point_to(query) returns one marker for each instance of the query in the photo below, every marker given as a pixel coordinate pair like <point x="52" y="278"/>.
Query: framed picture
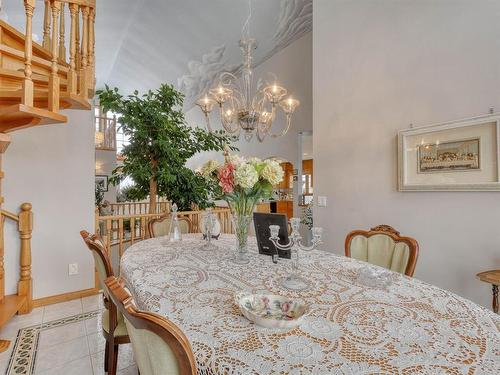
<point x="459" y="155"/>
<point x="261" y="222"/>
<point x="102" y="181"/>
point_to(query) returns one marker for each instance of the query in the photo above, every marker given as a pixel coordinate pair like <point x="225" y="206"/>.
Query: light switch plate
<point x="73" y="269"/>
<point x="321" y="201"/>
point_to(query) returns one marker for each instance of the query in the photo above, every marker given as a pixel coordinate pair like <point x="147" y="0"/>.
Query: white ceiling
<point x="142" y="43"/>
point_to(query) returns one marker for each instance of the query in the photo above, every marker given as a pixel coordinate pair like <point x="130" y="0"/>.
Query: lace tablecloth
<point x="407" y="328"/>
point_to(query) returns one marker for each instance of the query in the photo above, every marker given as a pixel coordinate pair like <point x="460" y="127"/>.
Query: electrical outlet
<point x="73" y="269"/>
<point x="321" y="201"/>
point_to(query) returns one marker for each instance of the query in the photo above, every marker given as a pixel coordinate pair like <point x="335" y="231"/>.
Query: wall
<point x="379" y="66"/>
<point x="53" y="168"/>
<point x="293" y="67"/>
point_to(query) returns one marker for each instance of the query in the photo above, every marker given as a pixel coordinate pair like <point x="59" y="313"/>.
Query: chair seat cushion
<point x="121" y="328"/>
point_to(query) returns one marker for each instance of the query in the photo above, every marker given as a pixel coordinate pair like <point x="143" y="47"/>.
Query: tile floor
<point x="75" y="348"/>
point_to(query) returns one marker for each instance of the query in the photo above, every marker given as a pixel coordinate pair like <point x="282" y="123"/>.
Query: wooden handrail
<point x="10" y="215"/>
<point x="24" y="222"/>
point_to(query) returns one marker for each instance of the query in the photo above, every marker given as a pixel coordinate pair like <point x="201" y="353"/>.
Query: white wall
<point x="53" y="168"/>
<point x="293" y="67"/>
<point x="379" y="66"/>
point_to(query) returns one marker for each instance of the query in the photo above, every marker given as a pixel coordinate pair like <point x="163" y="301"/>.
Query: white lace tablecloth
<point x="408" y="328"/>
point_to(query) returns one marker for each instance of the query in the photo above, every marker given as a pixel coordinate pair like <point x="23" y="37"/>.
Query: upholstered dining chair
<point x="113" y="326"/>
<point x="161" y="226"/>
<point x="385" y="247"/>
<point x="160" y="347"/>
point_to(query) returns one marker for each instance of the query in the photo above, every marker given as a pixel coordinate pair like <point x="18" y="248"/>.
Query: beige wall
<point x="53" y="168"/>
<point x="379" y="66"/>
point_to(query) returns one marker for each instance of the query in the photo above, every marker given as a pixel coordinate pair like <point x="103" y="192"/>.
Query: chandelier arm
<point x="232" y="81"/>
<point x="207" y="118"/>
<point x="284" y="131"/>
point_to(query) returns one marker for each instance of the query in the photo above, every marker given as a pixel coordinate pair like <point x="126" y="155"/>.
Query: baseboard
<point x="65" y="297"/>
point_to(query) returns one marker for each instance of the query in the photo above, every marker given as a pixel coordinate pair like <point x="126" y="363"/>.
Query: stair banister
<point x="27" y="93"/>
<point x="54" y="78"/>
<point x="62" y="42"/>
<point x="72" y="75"/>
<point x="84" y="51"/>
<point x="46" y="25"/>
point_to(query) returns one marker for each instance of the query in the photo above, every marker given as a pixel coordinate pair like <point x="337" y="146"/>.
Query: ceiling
<point x="143" y="43"/>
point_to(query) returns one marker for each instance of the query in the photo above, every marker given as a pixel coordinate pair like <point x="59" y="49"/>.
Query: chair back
<point x="161" y="226"/>
<point x="96" y="246"/>
<point x="160" y="347"/>
<point x="385" y="247"/>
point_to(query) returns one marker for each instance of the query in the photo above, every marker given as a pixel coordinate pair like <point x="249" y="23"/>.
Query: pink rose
<point x="226" y="178"/>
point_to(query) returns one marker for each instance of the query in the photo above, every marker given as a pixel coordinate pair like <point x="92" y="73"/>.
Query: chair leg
<point x="106" y="357"/>
<point x="112" y="358"/>
<point x="115" y="358"/>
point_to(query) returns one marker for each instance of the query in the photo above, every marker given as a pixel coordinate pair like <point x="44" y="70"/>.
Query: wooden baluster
<point x="78" y="60"/>
<point x="143" y="227"/>
<point x="4" y="143"/>
<point x="97" y="230"/>
<point x="91" y="53"/>
<point x="54" y="78"/>
<point x="120" y="236"/>
<point x="25" y="285"/>
<point x="27" y="95"/>
<point x="62" y="30"/>
<point x="84" y="56"/>
<point x="132" y="230"/>
<point x="73" y="42"/>
<point x="108" y="234"/>
<point x="46" y="26"/>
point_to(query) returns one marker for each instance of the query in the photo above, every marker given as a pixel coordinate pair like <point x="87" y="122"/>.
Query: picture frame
<point x="103" y="181"/>
<point x="261" y="223"/>
<point x="461" y="155"/>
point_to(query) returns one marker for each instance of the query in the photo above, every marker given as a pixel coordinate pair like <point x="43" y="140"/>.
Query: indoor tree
<point x="160" y="144"/>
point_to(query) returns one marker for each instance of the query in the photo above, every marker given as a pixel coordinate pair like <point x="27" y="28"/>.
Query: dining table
<point x="354" y="326"/>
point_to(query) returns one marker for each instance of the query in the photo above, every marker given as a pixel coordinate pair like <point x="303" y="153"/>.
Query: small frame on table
<point x="461" y="155"/>
<point x="262" y="221"/>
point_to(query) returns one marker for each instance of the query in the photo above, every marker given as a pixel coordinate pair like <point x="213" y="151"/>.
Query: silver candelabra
<point x="294" y="281"/>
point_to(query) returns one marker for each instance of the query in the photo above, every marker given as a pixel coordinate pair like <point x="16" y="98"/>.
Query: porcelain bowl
<point x="271" y="311"/>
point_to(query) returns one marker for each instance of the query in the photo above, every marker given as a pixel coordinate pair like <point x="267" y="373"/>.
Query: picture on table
<point x="463" y="155"/>
<point x="102" y="182"/>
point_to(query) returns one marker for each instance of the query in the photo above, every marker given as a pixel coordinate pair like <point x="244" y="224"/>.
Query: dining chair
<point x="383" y="246"/>
<point x="160" y="347"/>
<point x="161" y="226"/>
<point x="113" y="326"/>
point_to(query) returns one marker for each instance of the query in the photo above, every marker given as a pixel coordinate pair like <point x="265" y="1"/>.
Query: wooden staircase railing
<point x="36" y="81"/>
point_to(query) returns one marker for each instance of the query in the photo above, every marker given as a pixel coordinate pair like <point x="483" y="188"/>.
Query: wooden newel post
<point x="25" y="287"/>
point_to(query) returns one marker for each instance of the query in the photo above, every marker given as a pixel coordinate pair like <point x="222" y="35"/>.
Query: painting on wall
<point x="458" y="155"/>
<point x="449" y="156"/>
<point x="102" y="182"/>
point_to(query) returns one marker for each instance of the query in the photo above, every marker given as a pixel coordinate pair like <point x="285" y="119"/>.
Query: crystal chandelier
<point x="240" y="108"/>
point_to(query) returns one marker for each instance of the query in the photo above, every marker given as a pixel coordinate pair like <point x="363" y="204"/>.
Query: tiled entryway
<point x="64" y="338"/>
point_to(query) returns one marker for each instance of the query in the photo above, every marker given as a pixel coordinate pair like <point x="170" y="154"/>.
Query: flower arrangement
<point x="241" y="182"/>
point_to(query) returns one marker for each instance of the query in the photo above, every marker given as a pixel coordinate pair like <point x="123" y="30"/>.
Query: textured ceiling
<point x="142" y="43"/>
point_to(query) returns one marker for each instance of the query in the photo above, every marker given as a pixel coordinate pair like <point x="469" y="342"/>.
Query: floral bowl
<point x="271" y="311"/>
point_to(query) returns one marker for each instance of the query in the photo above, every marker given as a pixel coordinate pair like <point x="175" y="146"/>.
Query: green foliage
<point x="160" y="144"/>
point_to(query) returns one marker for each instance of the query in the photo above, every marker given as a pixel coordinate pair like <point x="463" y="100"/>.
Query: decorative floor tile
<point x="25" y="350"/>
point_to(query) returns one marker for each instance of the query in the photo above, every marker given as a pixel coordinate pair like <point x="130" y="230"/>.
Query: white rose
<point x="245" y="176"/>
<point x="235" y="159"/>
<point x="272" y="172"/>
<point x="209" y="167"/>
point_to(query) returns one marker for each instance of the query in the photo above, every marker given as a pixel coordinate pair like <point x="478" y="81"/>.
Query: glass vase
<point x="241" y="224"/>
